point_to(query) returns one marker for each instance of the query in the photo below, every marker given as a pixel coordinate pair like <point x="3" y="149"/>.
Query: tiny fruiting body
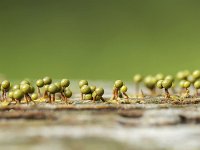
<point x="150" y="83"/>
<point x="137" y="79"/>
<point x="119" y="90"/>
<point x="124" y="89"/>
<point x="5" y="85"/>
<point x="25" y="82"/>
<point x="34" y="96"/>
<point x="39" y="84"/>
<point x="52" y="89"/>
<point x="65" y="83"/>
<point x="196" y="74"/>
<point x="88" y="97"/>
<point x="85" y="89"/>
<point x="26" y="89"/>
<point x="46" y="91"/>
<point x="159" y="84"/>
<point x="99" y="93"/>
<point x="92" y="88"/>
<point x="159" y="76"/>
<point x="47" y="80"/>
<point x="83" y="82"/>
<point x="166" y="84"/>
<point x="118" y="84"/>
<point x="18" y="95"/>
<point x="186" y="85"/>
<point x="197" y="86"/>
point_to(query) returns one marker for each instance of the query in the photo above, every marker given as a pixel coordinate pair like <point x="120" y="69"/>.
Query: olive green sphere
<point x="123" y="89"/>
<point x="5" y="84"/>
<point x="25" y="82"/>
<point x="197" y="84"/>
<point x="18" y="94"/>
<point x="97" y="97"/>
<point x="191" y="79"/>
<point x="10" y="94"/>
<point x="47" y="80"/>
<point x="150" y="82"/>
<point x="94" y="94"/>
<point x="52" y="88"/>
<point x="40" y="83"/>
<point x="83" y="82"/>
<point x="34" y="96"/>
<point x="87" y="97"/>
<point x="159" y="76"/>
<point x="181" y="83"/>
<point x="32" y="89"/>
<point x="166" y="84"/>
<point x="99" y="91"/>
<point x="182" y="75"/>
<point x="58" y="84"/>
<point x="68" y="93"/>
<point x="196" y="74"/>
<point x="92" y="88"/>
<point x="169" y="77"/>
<point x="186" y="84"/>
<point x="186" y="73"/>
<point x="46" y="87"/>
<point x="118" y="84"/>
<point x="85" y="89"/>
<point x="25" y="88"/>
<point x="16" y="87"/>
<point x="137" y="78"/>
<point x="159" y="84"/>
<point x="65" y="82"/>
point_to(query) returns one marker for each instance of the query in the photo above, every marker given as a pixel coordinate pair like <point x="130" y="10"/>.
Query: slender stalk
<point x="102" y="99"/>
<point x="167" y="95"/>
<point x="126" y="96"/>
<point x="62" y="96"/>
<point x="54" y="97"/>
<point x="49" y="98"/>
<point x="187" y="92"/>
<point x="45" y="94"/>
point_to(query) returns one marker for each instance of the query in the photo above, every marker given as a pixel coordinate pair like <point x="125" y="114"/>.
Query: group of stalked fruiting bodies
<point x="26" y="90"/>
<point x="185" y="79"/>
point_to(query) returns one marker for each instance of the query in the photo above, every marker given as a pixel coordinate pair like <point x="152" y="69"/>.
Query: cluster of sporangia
<point x="185" y="79"/>
<point x="26" y="90"/>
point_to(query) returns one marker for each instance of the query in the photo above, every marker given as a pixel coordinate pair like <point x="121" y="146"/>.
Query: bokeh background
<point x="98" y="39"/>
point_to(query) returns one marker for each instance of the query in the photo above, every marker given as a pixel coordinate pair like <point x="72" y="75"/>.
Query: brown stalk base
<point x="102" y="99"/>
<point x="45" y="94"/>
<point x="167" y="95"/>
<point x="54" y="98"/>
<point x="126" y="96"/>
<point x="187" y="93"/>
<point x="49" y="98"/>
<point x="62" y="96"/>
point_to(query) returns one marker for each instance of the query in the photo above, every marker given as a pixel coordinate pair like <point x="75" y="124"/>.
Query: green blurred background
<point x="98" y="39"/>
